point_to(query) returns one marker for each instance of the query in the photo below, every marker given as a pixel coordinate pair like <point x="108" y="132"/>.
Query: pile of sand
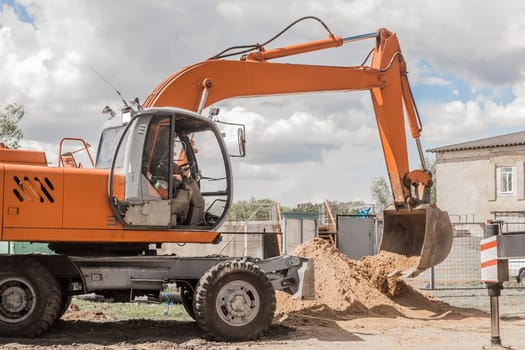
<point x="74" y="313"/>
<point x="344" y="285"/>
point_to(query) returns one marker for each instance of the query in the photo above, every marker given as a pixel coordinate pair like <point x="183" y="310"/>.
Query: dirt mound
<point x="347" y="286"/>
<point x="74" y="313"/>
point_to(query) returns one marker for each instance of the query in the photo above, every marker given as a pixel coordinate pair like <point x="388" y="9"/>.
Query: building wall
<point x="467" y="183"/>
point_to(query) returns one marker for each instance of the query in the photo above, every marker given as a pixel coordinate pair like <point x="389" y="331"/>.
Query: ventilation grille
<point x="33" y="189"/>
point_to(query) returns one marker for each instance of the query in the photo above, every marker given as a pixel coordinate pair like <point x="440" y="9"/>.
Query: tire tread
<point x="207" y="283"/>
<point x="45" y="285"/>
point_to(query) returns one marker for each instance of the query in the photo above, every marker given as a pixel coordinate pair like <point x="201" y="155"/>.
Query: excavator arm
<point x="213" y="80"/>
<point x="413" y="226"/>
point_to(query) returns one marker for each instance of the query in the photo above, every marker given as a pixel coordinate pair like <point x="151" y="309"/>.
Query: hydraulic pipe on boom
<point x="413" y="226"/>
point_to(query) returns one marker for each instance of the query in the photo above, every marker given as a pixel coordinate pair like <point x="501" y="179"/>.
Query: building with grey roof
<point x="483" y="179"/>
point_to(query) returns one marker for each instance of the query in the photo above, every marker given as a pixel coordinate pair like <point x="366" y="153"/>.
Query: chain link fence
<point x="461" y="269"/>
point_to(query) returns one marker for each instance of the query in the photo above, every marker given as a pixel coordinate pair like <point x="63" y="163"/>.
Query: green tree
<point x="337" y="207"/>
<point x="253" y="209"/>
<point x="10" y="132"/>
<point x="381" y="192"/>
<point x="312" y="208"/>
<point x="345" y="208"/>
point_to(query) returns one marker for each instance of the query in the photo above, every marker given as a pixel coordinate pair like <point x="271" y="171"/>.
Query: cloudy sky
<point x="466" y="62"/>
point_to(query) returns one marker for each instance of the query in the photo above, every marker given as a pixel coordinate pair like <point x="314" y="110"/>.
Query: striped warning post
<point x="492" y="268"/>
<point x="489" y="259"/>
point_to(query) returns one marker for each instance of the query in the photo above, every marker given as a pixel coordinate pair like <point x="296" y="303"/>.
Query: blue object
<point x="363" y="213"/>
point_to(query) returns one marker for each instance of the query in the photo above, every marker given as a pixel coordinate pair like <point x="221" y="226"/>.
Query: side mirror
<point x="241" y="139"/>
<point x="228" y="133"/>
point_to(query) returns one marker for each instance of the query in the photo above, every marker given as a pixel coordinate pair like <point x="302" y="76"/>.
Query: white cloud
<point x="437" y="81"/>
<point x="29" y="75"/>
<point x="294" y="140"/>
<point x="456" y="119"/>
<point x="230" y="9"/>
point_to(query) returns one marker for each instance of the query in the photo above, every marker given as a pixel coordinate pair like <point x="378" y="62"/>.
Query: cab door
<point x="171" y="169"/>
<point x="140" y="178"/>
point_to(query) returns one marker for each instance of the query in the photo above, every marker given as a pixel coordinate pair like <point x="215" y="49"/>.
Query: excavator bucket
<point x="423" y="235"/>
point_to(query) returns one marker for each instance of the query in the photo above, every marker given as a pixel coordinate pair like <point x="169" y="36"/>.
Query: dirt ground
<point x="356" y="307"/>
<point x="454" y="330"/>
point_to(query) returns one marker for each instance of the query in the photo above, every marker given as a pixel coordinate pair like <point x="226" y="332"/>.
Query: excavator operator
<point x="188" y="202"/>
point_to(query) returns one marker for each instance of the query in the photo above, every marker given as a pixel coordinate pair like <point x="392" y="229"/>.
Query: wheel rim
<point x="238" y="303"/>
<point x="17" y="300"/>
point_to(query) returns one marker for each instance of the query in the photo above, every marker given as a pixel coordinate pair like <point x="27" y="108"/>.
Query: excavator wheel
<point x="30" y="298"/>
<point x="234" y="301"/>
<point x="64" y="304"/>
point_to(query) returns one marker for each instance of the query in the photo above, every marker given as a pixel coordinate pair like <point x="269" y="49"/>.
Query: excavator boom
<point x="408" y="229"/>
<point x="207" y="82"/>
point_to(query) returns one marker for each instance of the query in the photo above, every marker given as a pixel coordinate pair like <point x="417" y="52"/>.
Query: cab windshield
<point x="107" y="146"/>
<point x="170" y="170"/>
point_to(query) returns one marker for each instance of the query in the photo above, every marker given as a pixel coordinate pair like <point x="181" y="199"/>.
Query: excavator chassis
<point x="230" y="298"/>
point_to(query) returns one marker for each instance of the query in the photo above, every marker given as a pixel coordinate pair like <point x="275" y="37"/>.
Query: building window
<point x="506" y="177"/>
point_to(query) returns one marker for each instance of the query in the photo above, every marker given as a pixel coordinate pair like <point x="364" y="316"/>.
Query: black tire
<point x="30" y="298"/>
<point x="64" y="304"/>
<point x="234" y="301"/>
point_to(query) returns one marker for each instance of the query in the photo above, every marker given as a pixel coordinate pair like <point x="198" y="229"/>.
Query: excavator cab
<point x="158" y="179"/>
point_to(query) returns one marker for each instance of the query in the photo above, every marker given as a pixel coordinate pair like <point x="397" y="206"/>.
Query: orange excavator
<point x="103" y="221"/>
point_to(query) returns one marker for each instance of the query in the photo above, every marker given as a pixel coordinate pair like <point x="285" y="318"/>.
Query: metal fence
<point x="461" y="269"/>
